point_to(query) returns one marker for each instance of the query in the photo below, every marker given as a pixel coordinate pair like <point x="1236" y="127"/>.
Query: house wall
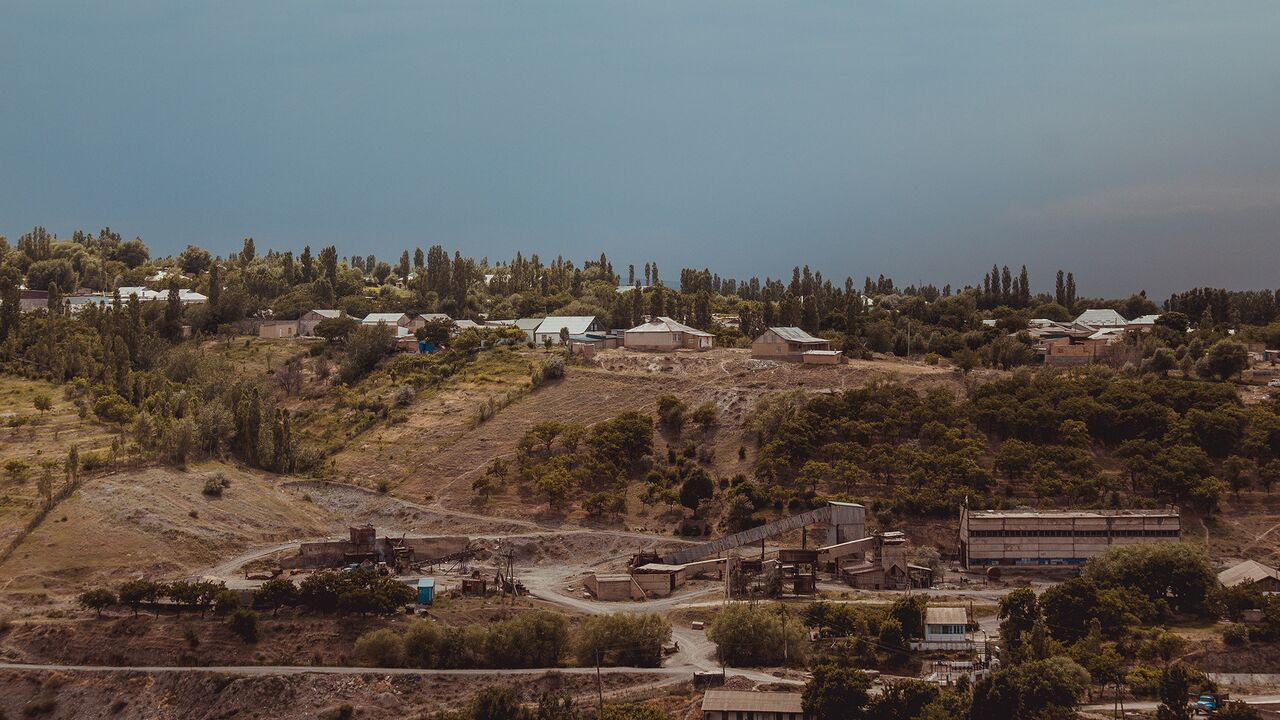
<point x="278" y="330"/>
<point x="308" y="322"/>
<point x="822" y="359"/>
<point x="770" y="346"/>
<point x="653" y="340"/>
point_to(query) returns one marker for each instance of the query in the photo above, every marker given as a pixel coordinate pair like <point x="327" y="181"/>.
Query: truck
<point x="1210" y="703"/>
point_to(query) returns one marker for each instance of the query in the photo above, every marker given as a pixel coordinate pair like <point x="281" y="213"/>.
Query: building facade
<point x="665" y="334"/>
<point x="786" y="343"/>
<point x="751" y="705"/>
<point x="1069" y="537"/>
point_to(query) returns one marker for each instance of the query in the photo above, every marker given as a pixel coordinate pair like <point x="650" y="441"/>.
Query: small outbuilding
<point x="613" y="587"/>
<point x="275" y="329"/>
<point x="943" y="625"/>
<point x="1251" y="572"/>
<point x="426" y="590"/>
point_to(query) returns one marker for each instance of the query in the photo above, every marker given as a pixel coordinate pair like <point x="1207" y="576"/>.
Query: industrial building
<point x="1058" y="537"/>
<point x="751" y="705"/>
<point x="364" y="546"/>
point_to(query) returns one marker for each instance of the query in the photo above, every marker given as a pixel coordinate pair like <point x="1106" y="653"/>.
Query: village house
<point x="185" y="296"/>
<point x="1098" y="318"/>
<point x="665" y="334"/>
<point x="311" y="318"/>
<point x="529" y="326"/>
<point x="276" y="329"/>
<point x="416" y="322"/>
<point x="786" y="343"/>
<point x="549" y="328"/>
<point x="1251" y="572"/>
<point x="392" y="319"/>
<point x="752" y="705"/>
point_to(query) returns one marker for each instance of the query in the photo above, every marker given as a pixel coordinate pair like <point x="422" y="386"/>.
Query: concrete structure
<point x="786" y="343"/>
<point x="364" y="545"/>
<point x="613" y="587"/>
<point x="550" y="327"/>
<point x="751" y="705"/>
<point x="1251" y="572"/>
<point x="823" y="357"/>
<point x="877" y="563"/>
<point x="665" y="334"/>
<point x="311" y="318"/>
<point x="276" y="329"/>
<point x="1070" y="537"/>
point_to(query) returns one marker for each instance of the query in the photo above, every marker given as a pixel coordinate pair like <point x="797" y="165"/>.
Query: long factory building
<point x="1068" y="537"/>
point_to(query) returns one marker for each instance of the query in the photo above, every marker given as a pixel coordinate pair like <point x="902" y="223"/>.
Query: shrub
<point x="213" y="486"/>
<point x="1235" y="634"/>
<point x="380" y="648"/>
<point x="244" y="623"/>
<point x="671" y="412"/>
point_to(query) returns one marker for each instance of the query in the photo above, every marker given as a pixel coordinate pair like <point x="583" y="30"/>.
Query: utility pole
<point x="786" y="659"/>
<point x="599" y="688"/>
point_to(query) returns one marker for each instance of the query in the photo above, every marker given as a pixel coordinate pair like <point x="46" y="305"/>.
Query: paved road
<point x="1152" y="705"/>
<point x="331" y="670"/>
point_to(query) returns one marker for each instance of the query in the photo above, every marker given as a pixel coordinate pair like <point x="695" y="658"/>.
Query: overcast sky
<point x="1135" y="143"/>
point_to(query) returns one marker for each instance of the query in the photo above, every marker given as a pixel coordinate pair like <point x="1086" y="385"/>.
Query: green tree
<point x="97" y="599"/>
<point x="696" y="488"/>
<point x="1177" y="682"/>
<point x="276" y="593"/>
<point x="42" y="402"/>
<point x="836" y="693"/>
<point x="1224" y="360"/>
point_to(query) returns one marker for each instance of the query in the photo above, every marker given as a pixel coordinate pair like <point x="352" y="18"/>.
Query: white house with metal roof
<point x="549" y="328"/>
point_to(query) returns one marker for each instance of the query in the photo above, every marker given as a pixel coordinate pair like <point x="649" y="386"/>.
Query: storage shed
<point x="426" y="590"/>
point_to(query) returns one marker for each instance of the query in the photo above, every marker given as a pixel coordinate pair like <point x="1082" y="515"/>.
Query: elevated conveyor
<point x="848" y="519"/>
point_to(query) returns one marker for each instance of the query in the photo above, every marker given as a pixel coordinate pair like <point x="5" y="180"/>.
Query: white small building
<point x="549" y="328"/>
<point x="945" y="628"/>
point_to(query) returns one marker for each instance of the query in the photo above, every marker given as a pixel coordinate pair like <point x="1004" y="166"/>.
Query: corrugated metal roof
<point x="430" y="317"/>
<point x="946" y="616"/>
<point x="795" y="334"/>
<point x="528" y="324"/>
<point x="1247" y="571"/>
<point x="1025" y="512"/>
<point x="1101" y="317"/>
<point x="666" y="324"/>
<point x="328" y="313"/>
<point x="577" y="324"/>
<point x="388" y="318"/>
<point x="749" y="701"/>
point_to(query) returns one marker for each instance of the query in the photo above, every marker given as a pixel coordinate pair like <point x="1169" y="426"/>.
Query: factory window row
<point x="1170" y="533"/>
